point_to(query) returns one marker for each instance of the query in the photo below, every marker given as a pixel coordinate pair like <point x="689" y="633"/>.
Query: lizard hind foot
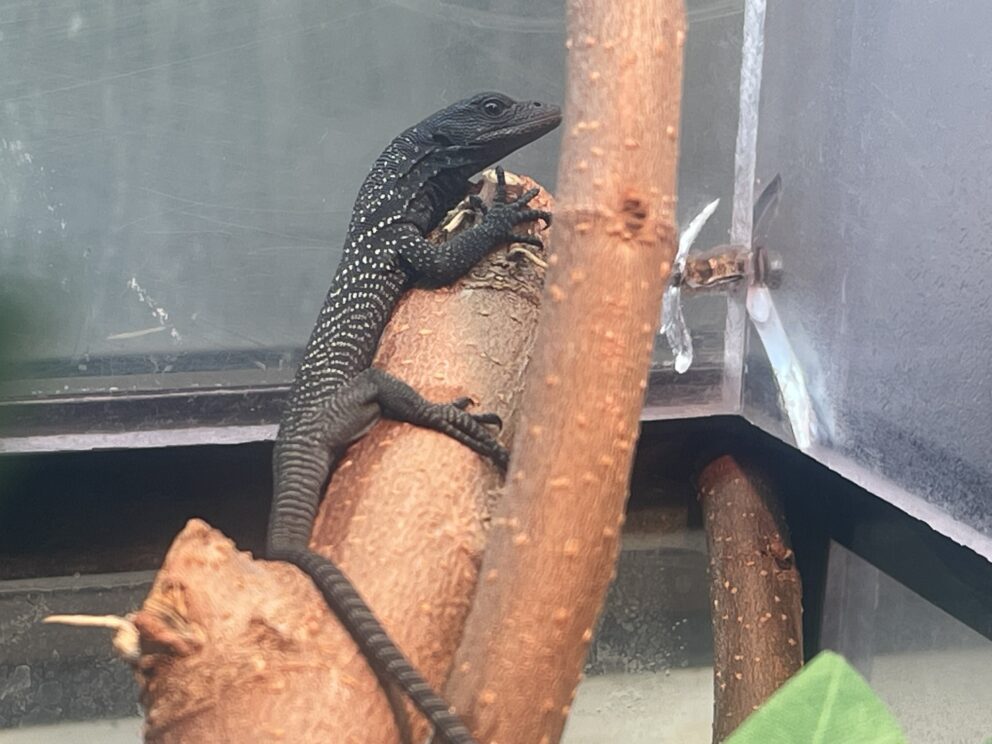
<point x="401" y="402"/>
<point x="468" y="428"/>
<point x="489" y="419"/>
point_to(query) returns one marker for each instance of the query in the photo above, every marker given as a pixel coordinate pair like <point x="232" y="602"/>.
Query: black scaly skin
<point x="338" y="396"/>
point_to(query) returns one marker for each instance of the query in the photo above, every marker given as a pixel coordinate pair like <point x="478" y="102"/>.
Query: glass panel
<point x="176" y="180"/>
<point x="933" y="672"/>
<point x="120" y="731"/>
<point x="649" y="674"/>
<point x="877" y="117"/>
<point x="51" y="673"/>
<point x="710" y="93"/>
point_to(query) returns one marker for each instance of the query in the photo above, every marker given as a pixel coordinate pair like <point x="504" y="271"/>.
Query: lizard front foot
<point x="500" y="219"/>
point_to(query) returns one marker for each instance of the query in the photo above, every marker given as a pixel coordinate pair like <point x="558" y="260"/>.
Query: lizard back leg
<point x="304" y="454"/>
<point x="303" y="459"/>
<point x="401" y="402"/>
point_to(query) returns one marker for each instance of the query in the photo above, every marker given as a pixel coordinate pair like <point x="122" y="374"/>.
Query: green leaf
<point x="827" y="702"/>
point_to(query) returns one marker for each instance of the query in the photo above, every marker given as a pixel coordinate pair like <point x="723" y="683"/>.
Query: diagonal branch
<point x="235" y="649"/>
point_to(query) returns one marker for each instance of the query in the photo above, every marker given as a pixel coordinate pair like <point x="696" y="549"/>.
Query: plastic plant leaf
<point x="827" y="702"/>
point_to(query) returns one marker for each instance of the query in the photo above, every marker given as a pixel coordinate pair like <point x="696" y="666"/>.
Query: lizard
<point x="337" y="395"/>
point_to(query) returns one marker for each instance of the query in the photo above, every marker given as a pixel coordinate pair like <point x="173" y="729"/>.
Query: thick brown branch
<point x="555" y="538"/>
<point x="242" y="650"/>
<point x="755" y="591"/>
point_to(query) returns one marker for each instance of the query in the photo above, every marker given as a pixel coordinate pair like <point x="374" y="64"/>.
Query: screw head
<point x="769" y="268"/>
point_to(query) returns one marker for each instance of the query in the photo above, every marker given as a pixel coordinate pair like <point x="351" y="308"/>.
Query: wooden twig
<point x="125" y="640"/>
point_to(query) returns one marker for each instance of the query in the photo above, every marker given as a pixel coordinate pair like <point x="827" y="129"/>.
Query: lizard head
<point x="476" y="132"/>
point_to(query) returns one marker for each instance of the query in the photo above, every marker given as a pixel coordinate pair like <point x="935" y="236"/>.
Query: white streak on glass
<point x="672" y="320"/>
<point x="785" y="365"/>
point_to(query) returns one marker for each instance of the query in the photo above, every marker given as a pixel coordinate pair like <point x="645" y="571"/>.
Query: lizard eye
<point x="493" y="106"/>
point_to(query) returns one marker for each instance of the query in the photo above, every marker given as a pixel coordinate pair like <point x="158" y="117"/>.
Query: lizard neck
<point x="413" y="183"/>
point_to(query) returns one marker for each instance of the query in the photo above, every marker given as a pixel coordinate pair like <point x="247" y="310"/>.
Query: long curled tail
<point x="375" y="644"/>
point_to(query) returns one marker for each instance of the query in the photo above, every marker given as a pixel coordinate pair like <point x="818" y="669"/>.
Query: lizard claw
<point x="486" y="419"/>
<point x="469" y="429"/>
<point x="501" y="185"/>
<point x="528" y="240"/>
<point x="489" y="419"/>
<point x="504" y="215"/>
<point x="521" y="201"/>
<point x="475" y="202"/>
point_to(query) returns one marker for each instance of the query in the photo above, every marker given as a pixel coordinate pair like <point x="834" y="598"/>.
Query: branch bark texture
<point x="553" y="547"/>
<point x="755" y="591"/>
<point x="236" y="649"/>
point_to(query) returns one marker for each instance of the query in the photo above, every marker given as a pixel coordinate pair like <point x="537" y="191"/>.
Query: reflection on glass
<point x="649" y="676"/>
<point x="175" y="180"/>
<point x="877" y="122"/>
<point x="933" y="672"/>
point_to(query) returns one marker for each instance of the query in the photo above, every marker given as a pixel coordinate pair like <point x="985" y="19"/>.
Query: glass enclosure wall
<point x="177" y="179"/>
<point x="175" y="185"/>
<point x="649" y="674"/>
<point x="877" y="116"/>
<point x="932" y="671"/>
<point x="175" y="182"/>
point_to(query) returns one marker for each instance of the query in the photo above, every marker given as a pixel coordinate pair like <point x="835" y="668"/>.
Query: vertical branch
<point x="755" y="591"/>
<point x="554" y="541"/>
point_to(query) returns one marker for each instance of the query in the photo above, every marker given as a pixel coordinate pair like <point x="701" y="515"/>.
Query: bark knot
<point x="634" y="211"/>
